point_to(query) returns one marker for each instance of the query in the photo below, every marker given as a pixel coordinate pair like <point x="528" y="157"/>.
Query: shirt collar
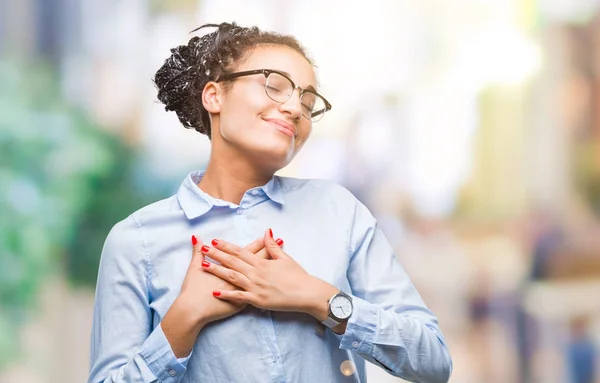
<point x="273" y="190"/>
<point x="195" y="202"/>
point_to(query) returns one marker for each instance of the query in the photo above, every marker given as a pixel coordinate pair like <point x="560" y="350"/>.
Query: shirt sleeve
<point x="124" y="347"/>
<point x="390" y="325"/>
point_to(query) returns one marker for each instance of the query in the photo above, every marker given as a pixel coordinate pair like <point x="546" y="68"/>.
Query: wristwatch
<point x="340" y="309"/>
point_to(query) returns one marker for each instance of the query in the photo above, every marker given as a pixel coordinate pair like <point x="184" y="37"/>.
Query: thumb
<point x="274" y="247"/>
<point x="256" y="245"/>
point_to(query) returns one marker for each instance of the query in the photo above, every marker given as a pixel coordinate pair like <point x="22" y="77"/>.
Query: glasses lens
<point x="313" y="106"/>
<point x="278" y="87"/>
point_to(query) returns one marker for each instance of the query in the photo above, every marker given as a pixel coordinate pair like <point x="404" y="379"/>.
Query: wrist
<point x="318" y="304"/>
<point x="181" y="328"/>
<point x="189" y="315"/>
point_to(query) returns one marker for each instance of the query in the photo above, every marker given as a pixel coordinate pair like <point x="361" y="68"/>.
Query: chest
<point x="318" y="245"/>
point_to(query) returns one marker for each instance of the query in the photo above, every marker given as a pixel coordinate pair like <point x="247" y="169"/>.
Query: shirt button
<point x="172" y="372"/>
<point x="240" y="211"/>
<point x="274" y="359"/>
<point x="355" y="344"/>
<point x="254" y="192"/>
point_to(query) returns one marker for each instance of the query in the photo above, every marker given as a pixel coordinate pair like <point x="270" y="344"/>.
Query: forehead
<point x="282" y="58"/>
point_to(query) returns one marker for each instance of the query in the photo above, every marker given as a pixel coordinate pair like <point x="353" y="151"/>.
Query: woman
<point x="244" y="307"/>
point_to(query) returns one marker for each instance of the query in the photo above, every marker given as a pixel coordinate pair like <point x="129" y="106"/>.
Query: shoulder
<point x="123" y="238"/>
<point x="127" y="234"/>
<point x="317" y="186"/>
<point x="165" y="205"/>
<point x="323" y="194"/>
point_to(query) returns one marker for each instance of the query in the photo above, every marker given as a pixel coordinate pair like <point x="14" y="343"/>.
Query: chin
<point x="277" y="160"/>
<point x="274" y="159"/>
<point x="278" y="146"/>
<point x="270" y="151"/>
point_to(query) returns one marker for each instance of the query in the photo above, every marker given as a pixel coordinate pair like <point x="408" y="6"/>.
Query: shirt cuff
<point x="361" y="327"/>
<point x="158" y="355"/>
<point x="184" y="361"/>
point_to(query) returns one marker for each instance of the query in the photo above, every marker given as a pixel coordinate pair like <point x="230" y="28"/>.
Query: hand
<point x="197" y="286"/>
<point x="279" y="283"/>
<point x="194" y="307"/>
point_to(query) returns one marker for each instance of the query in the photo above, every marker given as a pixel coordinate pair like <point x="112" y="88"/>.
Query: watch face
<point x="341" y="307"/>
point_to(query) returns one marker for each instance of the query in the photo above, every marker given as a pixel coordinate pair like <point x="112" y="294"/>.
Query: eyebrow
<point x="309" y="87"/>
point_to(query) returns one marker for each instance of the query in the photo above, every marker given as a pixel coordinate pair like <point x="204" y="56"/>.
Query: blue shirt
<point x="325" y="229"/>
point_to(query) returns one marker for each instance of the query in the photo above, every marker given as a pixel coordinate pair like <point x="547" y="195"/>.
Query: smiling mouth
<point x="283" y="127"/>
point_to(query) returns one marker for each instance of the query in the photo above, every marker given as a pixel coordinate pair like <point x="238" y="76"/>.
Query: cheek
<point x="255" y="102"/>
<point x="242" y="103"/>
<point x="306" y="130"/>
<point x="236" y="118"/>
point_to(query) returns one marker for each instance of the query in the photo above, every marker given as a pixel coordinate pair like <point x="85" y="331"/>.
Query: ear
<point x="211" y="97"/>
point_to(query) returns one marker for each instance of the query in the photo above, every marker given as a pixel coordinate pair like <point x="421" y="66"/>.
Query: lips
<point x="283" y="125"/>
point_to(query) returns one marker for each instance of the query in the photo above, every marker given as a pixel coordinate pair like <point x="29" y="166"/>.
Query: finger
<point x="234" y="250"/>
<point x="227" y="260"/>
<point x="263" y="253"/>
<point x="235" y="278"/>
<point x="234" y="296"/>
<point x="197" y="256"/>
<point x="274" y="247"/>
<point x="256" y="246"/>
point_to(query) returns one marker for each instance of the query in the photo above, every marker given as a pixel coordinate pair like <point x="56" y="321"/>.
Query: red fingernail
<point x="194" y="240"/>
<point x="205" y="249"/>
<point x="216" y="293"/>
<point x="271" y="233"/>
<point x="279" y="241"/>
<point x="214" y="242"/>
<point x="205" y="264"/>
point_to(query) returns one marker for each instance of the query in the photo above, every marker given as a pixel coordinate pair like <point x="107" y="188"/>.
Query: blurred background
<point x="470" y="128"/>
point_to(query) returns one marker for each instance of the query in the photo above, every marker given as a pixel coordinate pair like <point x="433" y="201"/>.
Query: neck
<point x="228" y="179"/>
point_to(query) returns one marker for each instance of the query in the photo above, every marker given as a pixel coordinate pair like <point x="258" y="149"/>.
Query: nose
<point x="293" y="107"/>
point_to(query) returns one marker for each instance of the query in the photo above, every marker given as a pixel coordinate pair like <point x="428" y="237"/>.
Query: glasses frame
<point x="266" y="73"/>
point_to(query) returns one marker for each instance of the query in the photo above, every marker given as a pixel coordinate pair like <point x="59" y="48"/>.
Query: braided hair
<point x="181" y="79"/>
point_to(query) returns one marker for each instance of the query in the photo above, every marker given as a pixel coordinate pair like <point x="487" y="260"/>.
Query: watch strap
<point x="330" y="322"/>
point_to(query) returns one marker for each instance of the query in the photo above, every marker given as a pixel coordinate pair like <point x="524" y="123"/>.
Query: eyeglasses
<point x="279" y="88"/>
